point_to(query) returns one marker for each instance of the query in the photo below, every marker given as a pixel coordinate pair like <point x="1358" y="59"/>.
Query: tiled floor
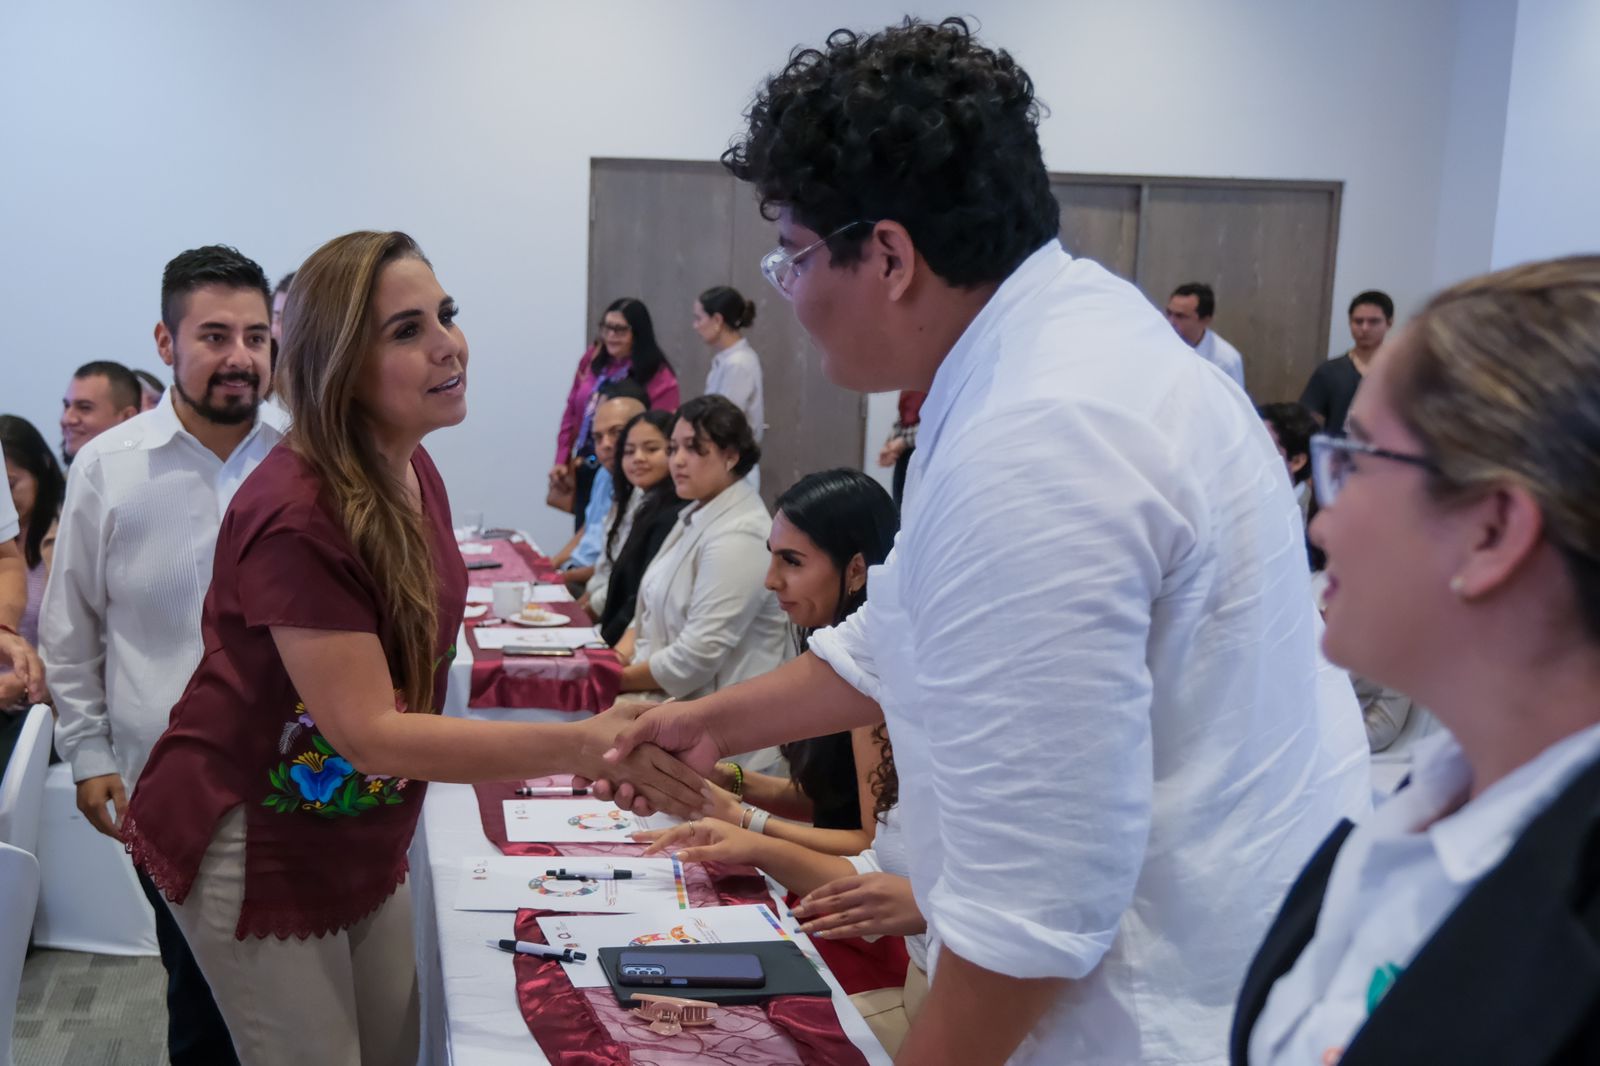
<point x="90" y="1010"/>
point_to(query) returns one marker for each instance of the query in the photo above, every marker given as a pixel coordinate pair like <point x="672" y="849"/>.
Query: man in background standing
<point x="1333" y="384"/>
<point x="120" y="627"/>
<point x="1190" y="309"/>
<point x="100" y="395"/>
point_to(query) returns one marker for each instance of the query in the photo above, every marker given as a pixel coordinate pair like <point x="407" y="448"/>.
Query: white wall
<point x="1548" y="205"/>
<point x="134" y="131"/>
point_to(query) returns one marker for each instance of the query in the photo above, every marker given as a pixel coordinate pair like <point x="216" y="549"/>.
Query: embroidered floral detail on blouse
<point x="322" y="782"/>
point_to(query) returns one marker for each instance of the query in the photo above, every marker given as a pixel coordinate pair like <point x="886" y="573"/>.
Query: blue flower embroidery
<point x="316" y="776"/>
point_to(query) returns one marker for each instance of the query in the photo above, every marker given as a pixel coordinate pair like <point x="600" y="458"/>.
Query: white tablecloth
<point x="469" y="991"/>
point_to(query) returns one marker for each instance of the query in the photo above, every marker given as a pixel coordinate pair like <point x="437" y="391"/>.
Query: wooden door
<point x="666" y="231"/>
<point x="1267" y="251"/>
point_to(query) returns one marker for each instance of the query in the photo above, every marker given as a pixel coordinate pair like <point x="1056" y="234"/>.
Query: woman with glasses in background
<point x="1460" y="922"/>
<point x="625" y="347"/>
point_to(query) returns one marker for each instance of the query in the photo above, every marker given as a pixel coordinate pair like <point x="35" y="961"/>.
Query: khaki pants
<point x="336" y="1000"/>
<point x="889" y="1012"/>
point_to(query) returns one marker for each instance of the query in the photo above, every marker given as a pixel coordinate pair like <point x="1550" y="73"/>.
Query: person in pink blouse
<point x="626" y="347"/>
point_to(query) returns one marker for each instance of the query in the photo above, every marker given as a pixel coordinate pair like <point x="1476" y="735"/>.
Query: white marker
<point x="565" y="874"/>
<point x="541" y="951"/>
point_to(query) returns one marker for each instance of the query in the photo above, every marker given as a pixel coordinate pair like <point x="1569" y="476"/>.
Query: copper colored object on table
<point x="669" y="1015"/>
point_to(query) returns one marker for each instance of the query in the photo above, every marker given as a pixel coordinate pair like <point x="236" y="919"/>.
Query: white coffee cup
<point x="509" y="597"/>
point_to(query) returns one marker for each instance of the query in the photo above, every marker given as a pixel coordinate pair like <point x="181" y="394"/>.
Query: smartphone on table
<point x="683" y="969"/>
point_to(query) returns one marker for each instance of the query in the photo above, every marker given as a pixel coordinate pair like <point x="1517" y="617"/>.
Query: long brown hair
<point x="327" y="335"/>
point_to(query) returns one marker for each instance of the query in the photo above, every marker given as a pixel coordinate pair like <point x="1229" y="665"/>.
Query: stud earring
<point x="1458" y="585"/>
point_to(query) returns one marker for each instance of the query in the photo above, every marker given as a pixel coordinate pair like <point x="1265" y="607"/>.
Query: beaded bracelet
<point x="738" y="777"/>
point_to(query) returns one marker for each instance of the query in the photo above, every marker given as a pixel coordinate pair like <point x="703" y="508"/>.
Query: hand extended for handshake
<point x="665" y="734"/>
<point x="659" y="777"/>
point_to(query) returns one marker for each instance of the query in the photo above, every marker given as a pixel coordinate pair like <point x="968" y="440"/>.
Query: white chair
<point x="19" y="892"/>
<point x="22" y="790"/>
<point x="89" y="899"/>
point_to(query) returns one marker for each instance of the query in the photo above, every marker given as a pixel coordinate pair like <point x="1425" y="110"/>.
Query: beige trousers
<point x="889" y="1012"/>
<point x="336" y="1000"/>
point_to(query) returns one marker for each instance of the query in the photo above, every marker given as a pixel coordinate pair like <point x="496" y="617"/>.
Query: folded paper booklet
<point x="511" y="882"/>
<point x="651" y="929"/>
<point x="576" y="821"/>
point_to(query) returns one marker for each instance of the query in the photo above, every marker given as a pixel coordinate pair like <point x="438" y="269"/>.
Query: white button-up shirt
<point x="1395" y="880"/>
<point x="1222" y="355"/>
<point x="119" y="631"/>
<point x="1094" y="645"/>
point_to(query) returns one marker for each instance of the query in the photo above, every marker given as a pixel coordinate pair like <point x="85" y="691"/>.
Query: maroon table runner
<point x="588" y="681"/>
<point x="588" y="1027"/>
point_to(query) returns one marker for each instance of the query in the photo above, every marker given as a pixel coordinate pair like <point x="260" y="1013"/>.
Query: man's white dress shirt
<point x="119" y="631"/>
<point x="1222" y="355"/>
<point x="1395" y="880"/>
<point x="1094" y="645"/>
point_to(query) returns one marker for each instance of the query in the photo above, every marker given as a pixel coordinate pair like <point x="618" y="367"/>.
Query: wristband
<point x="758" y="820"/>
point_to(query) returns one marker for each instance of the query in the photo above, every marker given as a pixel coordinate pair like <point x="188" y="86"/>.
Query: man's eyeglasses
<point x="1333" y="458"/>
<point x="780" y="266"/>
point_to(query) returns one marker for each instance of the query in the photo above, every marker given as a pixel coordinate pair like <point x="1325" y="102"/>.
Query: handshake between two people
<point x="659" y="758"/>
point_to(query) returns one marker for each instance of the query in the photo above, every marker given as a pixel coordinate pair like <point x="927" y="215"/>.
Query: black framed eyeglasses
<point x="1333" y="459"/>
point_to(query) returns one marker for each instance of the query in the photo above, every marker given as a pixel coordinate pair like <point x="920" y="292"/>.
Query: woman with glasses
<point x="626" y="347"/>
<point x="1461" y="921"/>
<point x="704" y="620"/>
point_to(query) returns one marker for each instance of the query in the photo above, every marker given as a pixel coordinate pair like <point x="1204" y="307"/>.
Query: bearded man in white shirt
<point x="120" y="626"/>
<point x="1115" y="754"/>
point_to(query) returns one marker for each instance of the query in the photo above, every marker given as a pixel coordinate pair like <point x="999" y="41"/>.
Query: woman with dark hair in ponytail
<point x="721" y="316"/>
<point x="626" y="347"/>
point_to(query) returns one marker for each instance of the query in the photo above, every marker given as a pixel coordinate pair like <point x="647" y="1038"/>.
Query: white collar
<point x="1471" y="841"/>
<point x="1048" y="260"/>
<point x="718" y="505"/>
<point x="163" y="423"/>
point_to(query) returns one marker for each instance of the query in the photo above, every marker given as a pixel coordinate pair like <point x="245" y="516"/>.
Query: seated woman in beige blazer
<point x="704" y="618"/>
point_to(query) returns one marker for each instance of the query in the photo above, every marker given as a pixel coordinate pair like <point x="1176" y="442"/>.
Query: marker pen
<point x="542" y="951"/>
<point x="565" y="874"/>
<point x="552" y="790"/>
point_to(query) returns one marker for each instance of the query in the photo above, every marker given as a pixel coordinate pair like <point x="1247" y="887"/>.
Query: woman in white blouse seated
<point x="704" y="619"/>
<point x="1460" y="922"/>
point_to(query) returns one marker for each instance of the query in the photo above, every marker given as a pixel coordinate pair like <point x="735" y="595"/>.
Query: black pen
<point x="565" y="874"/>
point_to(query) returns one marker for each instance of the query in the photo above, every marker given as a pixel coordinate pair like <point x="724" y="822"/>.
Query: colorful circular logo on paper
<point x="675" y="935"/>
<point x="550" y="886"/>
<point x="602" y="821"/>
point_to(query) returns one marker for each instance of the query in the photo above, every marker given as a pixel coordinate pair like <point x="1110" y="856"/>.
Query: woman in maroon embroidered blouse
<point x="276" y="810"/>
